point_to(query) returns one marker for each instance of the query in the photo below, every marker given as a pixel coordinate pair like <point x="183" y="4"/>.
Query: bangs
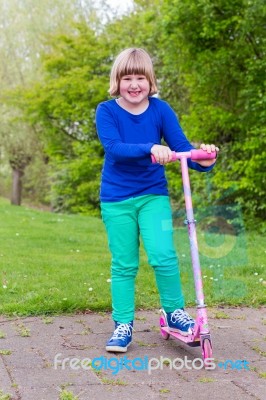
<point x="135" y="64"/>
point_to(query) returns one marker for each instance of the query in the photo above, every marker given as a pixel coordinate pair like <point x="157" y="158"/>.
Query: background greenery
<point x="209" y="57"/>
<point x="55" y="60"/>
<point x="53" y="263"/>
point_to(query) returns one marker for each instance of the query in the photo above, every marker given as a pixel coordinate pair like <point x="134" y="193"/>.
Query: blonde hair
<point x="132" y="61"/>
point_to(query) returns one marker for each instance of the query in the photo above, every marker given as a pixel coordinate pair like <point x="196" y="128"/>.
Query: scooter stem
<point x="191" y="224"/>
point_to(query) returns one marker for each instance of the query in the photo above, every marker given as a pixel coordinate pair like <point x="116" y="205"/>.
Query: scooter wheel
<point x="165" y="335"/>
<point x="206" y="351"/>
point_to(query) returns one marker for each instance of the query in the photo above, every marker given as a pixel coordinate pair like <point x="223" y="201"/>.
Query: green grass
<point x="4" y="396"/>
<point x="66" y="395"/>
<point x="53" y="263"/>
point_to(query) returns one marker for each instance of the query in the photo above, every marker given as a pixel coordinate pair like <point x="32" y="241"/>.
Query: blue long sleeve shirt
<point x="127" y="140"/>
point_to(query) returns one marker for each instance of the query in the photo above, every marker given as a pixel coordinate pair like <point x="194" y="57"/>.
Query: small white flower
<point x="211" y="266"/>
<point x="255" y="273"/>
<point x="211" y="278"/>
<point x="4" y="287"/>
<point x="17" y="234"/>
<point x="90" y="289"/>
<point x="261" y="279"/>
<point x="108" y="280"/>
<point x="216" y="279"/>
<point x="205" y="276"/>
<point x="77" y="251"/>
<point x="183" y="255"/>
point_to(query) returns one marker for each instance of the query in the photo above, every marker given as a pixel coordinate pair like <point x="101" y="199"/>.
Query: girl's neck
<point x="135" y="109"/>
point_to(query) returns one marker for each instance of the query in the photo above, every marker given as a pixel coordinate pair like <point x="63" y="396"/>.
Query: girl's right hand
<point x="162" y="154"/>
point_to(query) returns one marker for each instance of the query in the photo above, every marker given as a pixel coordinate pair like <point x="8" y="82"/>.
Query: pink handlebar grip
<point x="153" y="159"/>
<point x="196" y="154"/>
<point x="202" y="155"/>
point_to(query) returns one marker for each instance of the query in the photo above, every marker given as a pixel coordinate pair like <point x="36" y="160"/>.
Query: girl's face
<point x="134" y="89"/>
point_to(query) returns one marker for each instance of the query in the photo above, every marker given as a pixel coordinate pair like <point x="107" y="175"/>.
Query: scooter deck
<point x="190" y="339"/>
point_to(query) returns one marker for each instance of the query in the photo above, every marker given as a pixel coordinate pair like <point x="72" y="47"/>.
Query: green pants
<point x="151" y="217"/>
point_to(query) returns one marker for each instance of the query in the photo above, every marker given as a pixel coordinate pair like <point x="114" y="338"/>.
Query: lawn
<point x="53" y="263"/>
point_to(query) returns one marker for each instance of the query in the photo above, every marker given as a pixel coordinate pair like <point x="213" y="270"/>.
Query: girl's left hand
<point x="209" y="148"/>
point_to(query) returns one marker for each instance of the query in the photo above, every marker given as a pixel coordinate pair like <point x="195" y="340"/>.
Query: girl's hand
<point x="162" y="154"/>
<point x="209" y="148"/>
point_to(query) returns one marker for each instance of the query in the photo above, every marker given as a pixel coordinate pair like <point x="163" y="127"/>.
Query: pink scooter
<point x="201" y="334"/>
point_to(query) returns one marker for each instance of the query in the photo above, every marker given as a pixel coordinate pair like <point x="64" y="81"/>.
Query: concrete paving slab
<point x="39" y="356"/>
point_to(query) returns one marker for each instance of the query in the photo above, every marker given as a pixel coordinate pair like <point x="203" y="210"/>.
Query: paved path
<point x="34" y="365"/>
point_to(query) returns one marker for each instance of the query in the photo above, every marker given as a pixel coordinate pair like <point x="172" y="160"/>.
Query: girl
<point x="134" y="196"/>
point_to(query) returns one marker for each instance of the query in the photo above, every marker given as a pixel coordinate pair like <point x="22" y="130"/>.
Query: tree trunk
<point x="17" y="175"/>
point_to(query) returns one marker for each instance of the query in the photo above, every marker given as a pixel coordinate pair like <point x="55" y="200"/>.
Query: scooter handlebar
<point x="200" y="154"/>
<point x="195" y="154"/>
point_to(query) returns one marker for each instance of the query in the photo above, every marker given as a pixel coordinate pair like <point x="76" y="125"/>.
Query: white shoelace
<point x="122" y="330"/>
<point x="182" y="317"/>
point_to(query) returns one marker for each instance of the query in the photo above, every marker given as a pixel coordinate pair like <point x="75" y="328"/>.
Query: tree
<point x="21" y="147"/>
<point x="62" y="109"/>
<point x="218" y="63"/>
<point x="23" y="25"/>
<point x="60" y="99"/>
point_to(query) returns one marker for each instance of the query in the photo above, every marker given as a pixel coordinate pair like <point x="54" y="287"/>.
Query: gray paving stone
<point x="33" y="372"/>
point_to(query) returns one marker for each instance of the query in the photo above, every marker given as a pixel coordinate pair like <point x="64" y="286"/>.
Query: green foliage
<point x="75" y="81"/>
<point x="62" y="109"/>
<point x="36" y="182"/>
<point x="23" y="27"/>
<point x="76" y="180"/>
<point x="219" y="65"/>
<point x="19" y="148"/>
<point x="209" y="58"/>
<point x="143" y="22"/>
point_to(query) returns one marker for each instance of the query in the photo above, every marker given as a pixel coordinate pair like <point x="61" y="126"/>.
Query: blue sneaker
<point x="121" y="339"/>
<point x="180" y="321"/>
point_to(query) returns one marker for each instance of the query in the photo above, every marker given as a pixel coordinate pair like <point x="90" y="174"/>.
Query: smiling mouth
<point x="134" y="93"/>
